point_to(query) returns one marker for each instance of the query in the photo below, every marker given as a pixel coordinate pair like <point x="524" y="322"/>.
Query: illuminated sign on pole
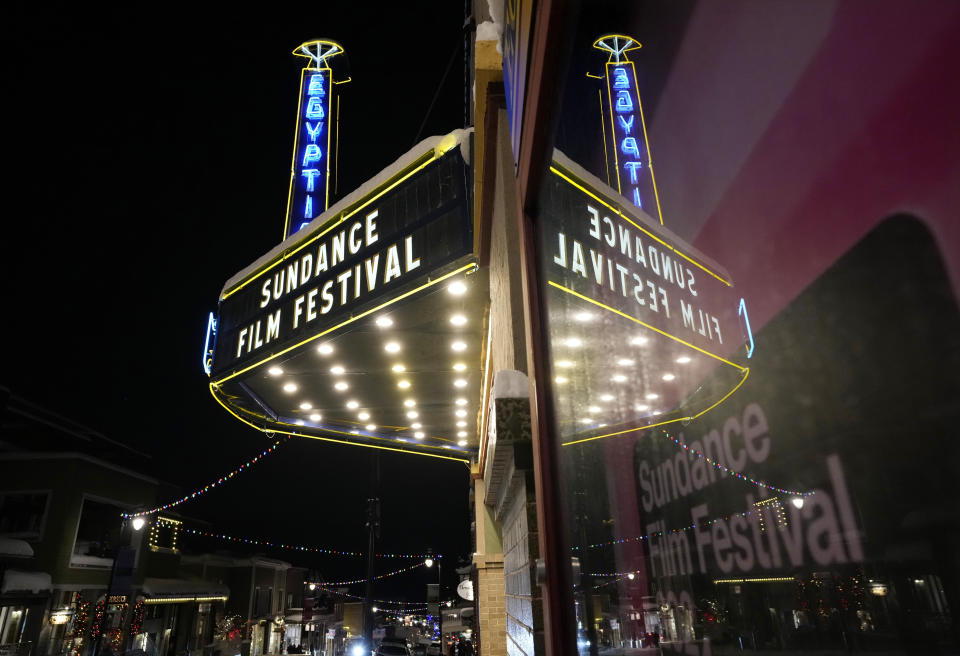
<point x="628" y="151"/>
<point x="310" y="170"/>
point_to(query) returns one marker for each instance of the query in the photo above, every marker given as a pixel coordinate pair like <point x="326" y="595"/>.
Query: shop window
<point x="98" y="534"/>
<point x="22" y="513"/>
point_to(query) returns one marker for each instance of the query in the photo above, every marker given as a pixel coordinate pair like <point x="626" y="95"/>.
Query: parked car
<point x="392" y="649"/>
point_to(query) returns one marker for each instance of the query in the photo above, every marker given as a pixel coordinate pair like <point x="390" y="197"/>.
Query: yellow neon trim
<point x="326" y="192"/>
<point x="646" y="141"/>
<point x="626" y="218"/>
<point x="746" y="372"/>
<point x="771" y="579"/>
<point x="393" y="300"/>
<point x="297" y="430"/>
<point x="613" y="132"/>
<point x="596" y="44"/>
<point x="642" y="323"/>
<point x="603" y="129"/>
<point x="330" y="439"/>
<point x="336" y="143"/>
<point x="431" y="155"/>
<point x="595" y="77"/>
<point x="485" y="396"/>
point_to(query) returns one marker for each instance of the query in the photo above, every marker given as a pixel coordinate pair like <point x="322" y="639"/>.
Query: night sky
<point x="147" y="161"/>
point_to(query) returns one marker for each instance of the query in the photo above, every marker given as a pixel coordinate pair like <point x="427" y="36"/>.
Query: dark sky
<point x="147" y="160"/>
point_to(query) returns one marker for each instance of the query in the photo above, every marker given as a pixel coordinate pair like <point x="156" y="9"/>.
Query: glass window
<point x="755" y="352"/>
<point x="22" y="513"/>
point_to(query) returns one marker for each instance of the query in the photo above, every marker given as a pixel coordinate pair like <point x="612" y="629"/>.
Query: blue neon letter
<point x="620" y="80"/>
<point x="308" y="208"/>
<point x="636" y="198"/>
<point x="628" y="146"/>
<point x="314" y="131"/>
<point x="632" y="168"/>
<point x="311" y="175"/>
<point x="624" y="101"/>
<point x="316" y="85"/>
<point x="315" y="108"/>
<point x="625" y="124"/>
<point x="313" y="153"/>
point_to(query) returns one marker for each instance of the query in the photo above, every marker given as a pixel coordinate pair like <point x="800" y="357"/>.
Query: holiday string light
<point x="656" y="534"/>
<point x="295" y="547"/>
<point x="422" y="604"/>
<point x="206" y="488"/>
<point x="737" y="474"/>
<point x="364" y="580"/>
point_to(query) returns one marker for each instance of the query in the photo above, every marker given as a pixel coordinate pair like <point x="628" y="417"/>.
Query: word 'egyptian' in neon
<point x="312" y="159"/>
<point x="625" y="134"/>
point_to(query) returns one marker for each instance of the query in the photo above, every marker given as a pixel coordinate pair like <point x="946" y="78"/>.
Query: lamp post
<point x="429" y="562"/>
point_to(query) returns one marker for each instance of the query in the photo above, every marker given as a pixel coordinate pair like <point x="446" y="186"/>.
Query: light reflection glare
<point x="573" y="342"/>
<point x="457" y="288"/>
<point x="275" y="371"/>
<point x="683" y="359"/>
<point x="668" y="377"/>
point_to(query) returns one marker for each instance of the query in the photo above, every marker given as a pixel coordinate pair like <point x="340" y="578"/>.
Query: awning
<point x="368" y="326"/>
<point x="178" y="591"/>
<point x="20" y="581"/>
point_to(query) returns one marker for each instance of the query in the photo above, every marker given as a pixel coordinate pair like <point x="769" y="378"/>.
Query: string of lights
<point x="206" y="488"/>
<point x="419" y="604"/>
<point x="736" y="474"/>
<point x="364" y="580"/>
<point x="656" y="534"/>
<point x="297" y="547"/>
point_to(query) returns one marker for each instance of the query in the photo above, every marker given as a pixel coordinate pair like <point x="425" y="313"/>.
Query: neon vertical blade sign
<point x="629" y="150"/>
<point x="310" y="169"/>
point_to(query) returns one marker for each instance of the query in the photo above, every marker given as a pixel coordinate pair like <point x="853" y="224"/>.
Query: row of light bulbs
<point x="456" y="288"/>
<point x="576" y="342"/>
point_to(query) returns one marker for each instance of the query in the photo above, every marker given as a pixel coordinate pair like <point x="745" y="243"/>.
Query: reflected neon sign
<point x="629" y="151"/>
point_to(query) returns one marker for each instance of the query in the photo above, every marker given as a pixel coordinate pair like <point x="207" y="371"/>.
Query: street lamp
<point x="138" y="523"/>
<point x="428" y="561"/>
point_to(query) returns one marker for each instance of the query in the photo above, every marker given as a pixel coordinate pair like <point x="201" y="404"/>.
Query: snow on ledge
<point x="15" y="580"/>
<point x="15" y="548"/>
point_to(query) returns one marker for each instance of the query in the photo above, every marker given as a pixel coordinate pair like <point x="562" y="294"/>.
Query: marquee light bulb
<point x="384" y="322"/>
<point x="639" y="341"/>
<point x="606" y="397"/>
<point x="461" y="433"/>
<point x="583" y="317"/>
<point x="337" y="370"/>
<point x="461" y="424"/>
<point x="459" y="346"/>
<point x="457" y="288"/>
<point x="668" y="377"/>
<point x="560" y="380"/>
<point x="398" y="368"/>
<point x="618" y="378"/>
<point x="413" y="414"/>
<point x="462" y="443"/>
<point x="564" y="364"/>
<point x="275" y="371"/>
<point x="324" y="349"/>
<point x="416" y="424"/>
<point x="461" y="402"/>
<point x="458" y="320"/>
<point x="306" y="405"/>
<point x="642" y="407"/>
<point x="460" y="382"/>
<point x="586" y="420"/>
<point x="574" y="342"/>
<point x="683" y="359"/>
<point x="594" y="409"/>
<point x="651" y="396"/>
<point x="404" y="384"/>
<point x="316" y="417"/>
<point x="461" y="413"/>
<point x="290" y="388"/>
<point x="341" y="386"/>
<point x="459" y="366"/>
<point x="353" y="405"/>
<point x="392" y="347"/>
<point x="370" y="427"/>
<point x="364" y="416"/>
<point x="418" y="435"/>
<point x="409" y="403"/>
<point x="625" y="362"/>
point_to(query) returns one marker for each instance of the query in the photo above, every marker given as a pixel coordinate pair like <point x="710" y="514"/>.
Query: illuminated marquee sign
<point x="309" y="194"/>
<point x="370" y="254"/>
<point x="628" y="152"/>
<point x="601" y="252"/>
